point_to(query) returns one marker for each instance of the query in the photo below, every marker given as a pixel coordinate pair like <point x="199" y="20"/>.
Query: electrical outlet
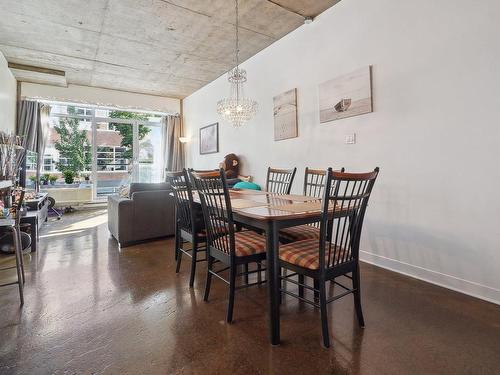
<point x="350" y="139"/>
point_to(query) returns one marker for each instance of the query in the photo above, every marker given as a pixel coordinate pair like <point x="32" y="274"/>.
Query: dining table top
<point x="266" y="206"/>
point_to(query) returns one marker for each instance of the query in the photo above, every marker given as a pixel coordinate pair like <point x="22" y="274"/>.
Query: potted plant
<point x="69" y="176"/>
<point x="86" y="176"/>
<point x="44" y="179"/>
<point x="32" y="179"/>
<point x="52" y="179"/>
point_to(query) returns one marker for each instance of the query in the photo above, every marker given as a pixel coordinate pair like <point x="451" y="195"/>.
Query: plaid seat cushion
<point x="249" y="243"/>
<point x="305" y="254"/>
<point x="299" y="233"/>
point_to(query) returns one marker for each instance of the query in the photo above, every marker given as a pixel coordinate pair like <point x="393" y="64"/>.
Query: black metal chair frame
<point x="314" y="182"/>
<point x="18" y="253"/>
<point x="219" y="223"/>
<point x="339" y="243"/>
<point x="187" y="228"/>
<point x="314" y="185"/>
<point x="280" y="181"/>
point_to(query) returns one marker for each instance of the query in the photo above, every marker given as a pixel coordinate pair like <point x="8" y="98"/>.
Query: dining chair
<point x="226" y="246"/>
<point x="280" y="181"/>
<point x="314" y="184"/>
<point x="13" y="225"/>
<point x="189" y="222"/>
<point x="336" y="252"/>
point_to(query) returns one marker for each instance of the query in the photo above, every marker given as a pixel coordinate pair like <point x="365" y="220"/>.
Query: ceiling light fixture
<point x="237" y="109"/>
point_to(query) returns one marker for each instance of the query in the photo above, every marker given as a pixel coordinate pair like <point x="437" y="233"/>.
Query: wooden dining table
<point x="271" y="213"/>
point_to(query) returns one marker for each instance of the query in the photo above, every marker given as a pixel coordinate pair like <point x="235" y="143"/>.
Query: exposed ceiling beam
<point x="36" y="69"/>
<point x="36" y="74"/>
<point x="286" y="8"/>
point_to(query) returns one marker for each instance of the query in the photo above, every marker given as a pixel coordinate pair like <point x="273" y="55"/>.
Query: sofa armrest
<point x="154" y="214"/>
<point x="120" y="218"/>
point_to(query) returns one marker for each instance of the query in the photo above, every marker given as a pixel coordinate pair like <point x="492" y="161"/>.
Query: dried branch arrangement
<point x="11" y="156"/>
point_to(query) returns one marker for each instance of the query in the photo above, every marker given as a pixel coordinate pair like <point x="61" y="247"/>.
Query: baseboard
<point x="446" y="281"/>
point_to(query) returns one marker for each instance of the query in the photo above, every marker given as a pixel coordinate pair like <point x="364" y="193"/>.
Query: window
<point x="48" y="164"/>
<point x="31" y="160"/>
<point x="103" y="143"/>
<point x="111" y="159"/>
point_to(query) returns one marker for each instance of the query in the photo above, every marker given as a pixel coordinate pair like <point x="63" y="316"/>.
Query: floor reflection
<point x="94" y="308"/>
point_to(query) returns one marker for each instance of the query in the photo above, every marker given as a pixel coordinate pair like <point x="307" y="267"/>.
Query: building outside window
<point x="48" y="163"/>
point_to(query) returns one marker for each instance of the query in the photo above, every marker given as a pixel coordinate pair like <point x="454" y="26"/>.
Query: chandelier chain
<point x="237" y="35"/>
<point x="237" y="109"/>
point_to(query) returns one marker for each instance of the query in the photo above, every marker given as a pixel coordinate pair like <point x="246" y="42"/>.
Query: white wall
<point x="435" y="130"/>
<point x="8" y="94"/>
<point x="103" y="97"/>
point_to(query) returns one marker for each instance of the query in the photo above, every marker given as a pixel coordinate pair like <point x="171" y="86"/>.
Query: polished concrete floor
<point x="94" y="309"/>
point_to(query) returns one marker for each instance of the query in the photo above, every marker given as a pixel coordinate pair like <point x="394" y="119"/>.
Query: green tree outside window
<point x="126" y="130"/>
<point x="73" y="145"/>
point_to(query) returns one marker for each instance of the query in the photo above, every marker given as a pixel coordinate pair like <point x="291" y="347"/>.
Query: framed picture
<point x="209" y="139"/>
<point x="285" y="115"/>
<point x="346" y="96"/>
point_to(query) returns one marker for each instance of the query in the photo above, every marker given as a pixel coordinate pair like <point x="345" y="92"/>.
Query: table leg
<point x="177" y="239"/>
<point x="273" y="282"/>
<point x="34" y="236"/>
<point x="20" y="269"/>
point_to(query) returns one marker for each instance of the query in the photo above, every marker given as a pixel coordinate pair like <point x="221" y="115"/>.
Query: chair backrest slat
<point x="216" y="205"/>
<point x="314" y="185"/>
<point x="279" y="181"/>
<point x="345" y="195"/>
<point x="314" y="182"/>
<point x="183" y="196"/>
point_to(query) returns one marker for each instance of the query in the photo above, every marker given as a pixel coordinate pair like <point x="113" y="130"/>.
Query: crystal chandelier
<point x="237" y="108"/>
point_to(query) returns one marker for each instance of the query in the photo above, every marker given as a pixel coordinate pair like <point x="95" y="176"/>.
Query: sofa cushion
<point x="124" y="191"/>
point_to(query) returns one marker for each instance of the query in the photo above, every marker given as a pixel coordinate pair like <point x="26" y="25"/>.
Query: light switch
<point x="350" y="139"/>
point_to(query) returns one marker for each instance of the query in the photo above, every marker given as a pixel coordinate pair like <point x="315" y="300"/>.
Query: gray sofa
<point x="148" y="213"/>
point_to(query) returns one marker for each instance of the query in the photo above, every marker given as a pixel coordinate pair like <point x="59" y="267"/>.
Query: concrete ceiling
<point x="161" y="47"/>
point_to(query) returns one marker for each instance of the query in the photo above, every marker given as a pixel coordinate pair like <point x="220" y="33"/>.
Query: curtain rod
<point x="100" y="105"/>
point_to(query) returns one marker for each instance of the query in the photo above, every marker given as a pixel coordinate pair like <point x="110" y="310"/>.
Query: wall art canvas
<point x="209" y="139"/>
<point x="346" y="96"/>
<point x="285" y="115"/>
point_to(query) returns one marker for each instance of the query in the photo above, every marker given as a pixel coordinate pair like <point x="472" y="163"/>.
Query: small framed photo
<point x="209" y="139"/>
